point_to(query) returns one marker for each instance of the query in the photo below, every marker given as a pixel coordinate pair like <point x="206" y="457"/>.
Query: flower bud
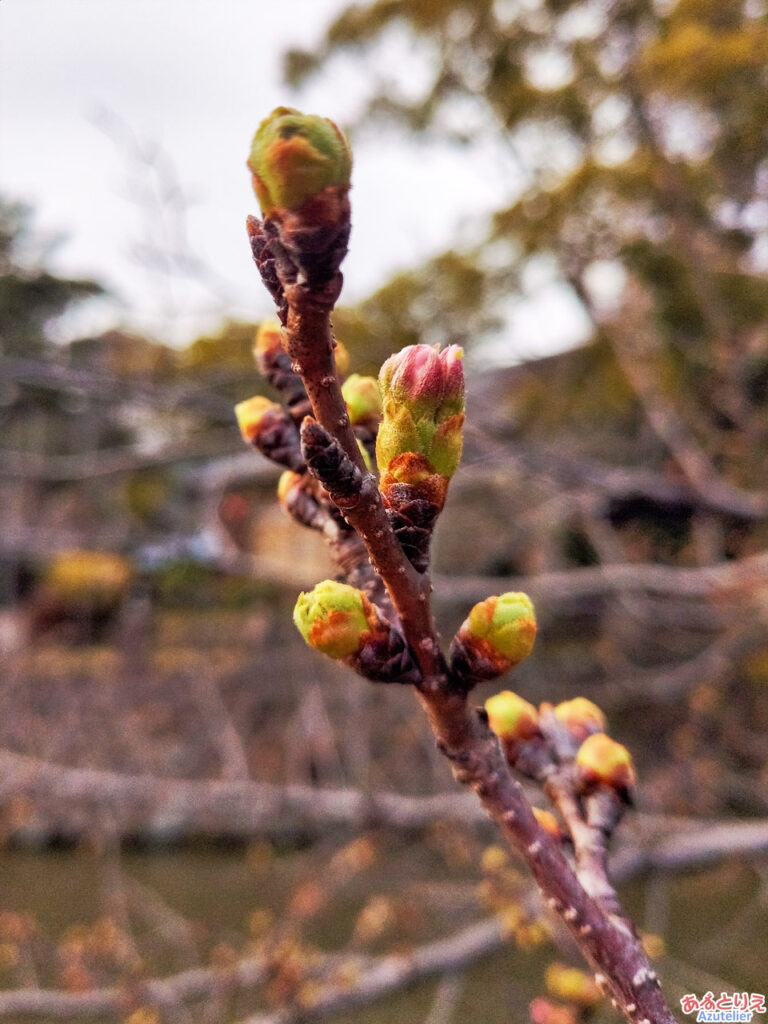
<point x="548" y="821"/>
<point x="507" y="623"/>
<point x="423" y="406"/>
<point x="295" y="156"/>
<point x="340" y="621"/>
<point x="511" y="717"/>
<point x="494" y="859"/>
<point x="287" y="484"/>
<point x="253" y="414"/>
<point x="497" y="634"/>
<point x="580" y="717"/>
<point x="267" y="338"/>
<point x="341" y="357"/>
<point x="602" y="761"/>
<point x="334" y="618"/>
<point x="362" y="397"/>
<point x="429" y="381"/>
<point x="269" y="428"/>
<point x="572" y="985"/>
<point x="542" y="1011"/>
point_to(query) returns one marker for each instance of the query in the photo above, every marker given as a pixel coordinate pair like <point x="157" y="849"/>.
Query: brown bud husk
<point x="299" y="502"/>
<point x="328" y="462"/>
<point x="264" y="259"/>
<point x="274" y="363"/>
<point x="269" y="428"/>
<point x="386" y="658"/>
<point x="309" y="244"/>
<point x="413" y="496"/>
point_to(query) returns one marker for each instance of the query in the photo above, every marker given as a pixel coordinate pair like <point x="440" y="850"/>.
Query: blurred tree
<point x="640" y="128"/>
<point x="30" y="296"/>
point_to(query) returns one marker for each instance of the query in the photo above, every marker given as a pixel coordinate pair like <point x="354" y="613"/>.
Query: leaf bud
<point x="341" y="356"/>
<point x="295" y="156"/>
<point x="288" y="482"/>
<point x="497" y="634"/>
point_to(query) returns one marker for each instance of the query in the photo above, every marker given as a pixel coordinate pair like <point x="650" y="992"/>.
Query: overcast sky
<point x="126" y="126"/>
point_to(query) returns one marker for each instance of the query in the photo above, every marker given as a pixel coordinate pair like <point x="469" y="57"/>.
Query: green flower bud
<point x="254" y="413"/>
<point x="602" y="761"/>
<point x="511" y="717"/>
<point x="572" y="985"/>
<point x="548" y="821"/>
<point x="446" y="446"/>
<point x="366" y="457"/>
<point x="362" y="397"/>
<point x="334" y="618"/>
<point x="267" y="338"/>
<point x="580" y="717"/>
<point x="295" y="156"/>
<point x="506" y="623"/>
<point x="423" y="407"/>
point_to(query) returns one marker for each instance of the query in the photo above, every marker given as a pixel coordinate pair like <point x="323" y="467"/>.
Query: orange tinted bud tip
<point x="334" y="618"/>
<point x="341" y="357"/>
<point x="548" y="821"/>
<point x="603" y="761"/>
<point x="267" y="337"/>
<point x="507" y="623"/>
<point x="580" y="717"/>
<point x="572" y="984"/>
<point x="251" y="413"/>
<point x="288" y="480"/>
<point x="542" y="1011"/>
<point x="511" y="717"/>
<point x="295" y="156"/>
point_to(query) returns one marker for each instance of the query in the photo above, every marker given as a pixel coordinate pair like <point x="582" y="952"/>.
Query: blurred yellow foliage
<point x="96" y="577"/>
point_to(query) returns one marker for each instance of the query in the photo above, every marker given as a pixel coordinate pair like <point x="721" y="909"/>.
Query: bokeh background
<point x="201" y="820"/>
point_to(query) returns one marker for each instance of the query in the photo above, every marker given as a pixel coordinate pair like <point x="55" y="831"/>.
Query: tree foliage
<point x="30" y="295"/>
<point x="641" y="130"/>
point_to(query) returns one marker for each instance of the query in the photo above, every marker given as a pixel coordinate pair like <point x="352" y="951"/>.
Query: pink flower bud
<point x="423" y="402"/>
<point x="428" y="381"/>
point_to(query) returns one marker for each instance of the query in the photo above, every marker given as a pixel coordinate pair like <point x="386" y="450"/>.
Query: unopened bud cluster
<point x="533" y="741"/>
